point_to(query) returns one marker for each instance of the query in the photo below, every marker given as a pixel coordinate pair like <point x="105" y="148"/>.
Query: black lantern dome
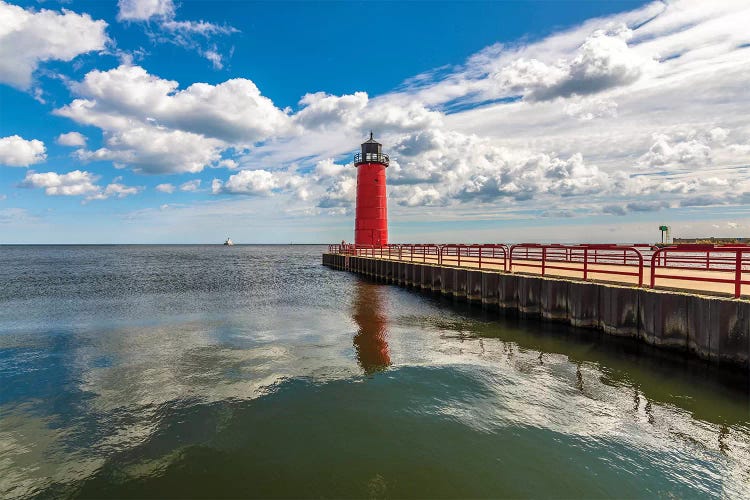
<point x="372" y="152"/>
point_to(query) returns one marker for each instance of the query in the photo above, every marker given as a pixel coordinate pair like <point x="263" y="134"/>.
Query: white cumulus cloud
<point x="233" y="111"/>
<point x="76" y="183"/>
<point x="73" y="183"/>
<point x="604" y="61"/>
<point x="71" y="139"/>
<point x="323" y="111"/>
<point x="152" y="150"/>
<point x="692" y="148"/>
<point x="328" y="168"/>
<point x="15" y="151"/>
<point x="152" y="127"/>
<point x="415" y="196"/>
<point x="114" y="189"/>
<point x="253" y="182"/>
<point x="28" y="38"/>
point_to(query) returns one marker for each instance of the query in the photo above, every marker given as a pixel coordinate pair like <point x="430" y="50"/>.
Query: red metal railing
<point x="717" y="264"/>
<point x="408" y="252"/>
<point x="421" y="253"/>
<point x="584" y="259"/>
<point x="344" y="249"/>
<point x="487" y="256"/>
<point x="678" y="266"/>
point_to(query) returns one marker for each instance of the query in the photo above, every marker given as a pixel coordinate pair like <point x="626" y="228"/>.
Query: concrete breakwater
<point x="716" y="329"/>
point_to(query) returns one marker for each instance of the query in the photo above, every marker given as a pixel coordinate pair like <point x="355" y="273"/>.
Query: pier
<point x="688" y="297"/>
<point x="691" y="298"/>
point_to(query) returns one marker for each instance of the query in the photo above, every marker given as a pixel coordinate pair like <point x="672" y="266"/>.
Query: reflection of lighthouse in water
<point x="370" y="341"/>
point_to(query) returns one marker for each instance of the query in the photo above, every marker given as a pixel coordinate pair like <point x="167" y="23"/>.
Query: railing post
<point x="458" y="256"/>
<point x="510" y="259"/>
<point x="544" y="258"/>
<point x="654" y="258"/>
<point x="737" y="275"/>
<point x="585" y="263"/>
<point x="480" y="257"/>
<point x="640" y="268"/>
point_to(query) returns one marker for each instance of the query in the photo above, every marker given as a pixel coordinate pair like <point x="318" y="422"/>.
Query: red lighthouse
<point x="371" y="225"/>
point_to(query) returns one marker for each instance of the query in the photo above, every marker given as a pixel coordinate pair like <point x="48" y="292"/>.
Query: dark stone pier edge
<point x="716" y="329"/>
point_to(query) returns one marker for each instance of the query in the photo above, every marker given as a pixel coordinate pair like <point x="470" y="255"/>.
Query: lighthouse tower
<point x="371" y="224"/>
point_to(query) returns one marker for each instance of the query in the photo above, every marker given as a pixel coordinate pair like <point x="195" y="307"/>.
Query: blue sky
<point x="153" y="121"/>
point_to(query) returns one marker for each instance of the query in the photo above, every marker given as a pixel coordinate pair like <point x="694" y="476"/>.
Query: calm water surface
<point x="251" y="371"/>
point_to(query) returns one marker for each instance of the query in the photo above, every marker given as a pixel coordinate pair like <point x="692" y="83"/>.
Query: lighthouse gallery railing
<point x="372" y="157"/>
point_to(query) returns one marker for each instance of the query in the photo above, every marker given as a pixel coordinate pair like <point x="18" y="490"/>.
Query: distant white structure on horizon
<point x="229" y="242"/>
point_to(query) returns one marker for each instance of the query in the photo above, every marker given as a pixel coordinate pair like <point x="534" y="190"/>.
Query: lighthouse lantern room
<point x="371" y="223"/>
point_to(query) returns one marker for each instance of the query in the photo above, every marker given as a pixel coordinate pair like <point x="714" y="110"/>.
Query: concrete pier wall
<point x="713" y="328"/>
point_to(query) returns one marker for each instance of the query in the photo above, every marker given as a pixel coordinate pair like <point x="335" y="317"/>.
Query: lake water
<point x="253" y="371"/>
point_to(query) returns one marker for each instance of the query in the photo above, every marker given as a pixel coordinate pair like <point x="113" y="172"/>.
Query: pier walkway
<point x="702" y="269"/>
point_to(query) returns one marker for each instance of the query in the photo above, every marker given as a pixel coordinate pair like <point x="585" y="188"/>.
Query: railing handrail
<point x="478" y="258"/>
<point x="659" y="260"/>
<point x="586" y="257"/>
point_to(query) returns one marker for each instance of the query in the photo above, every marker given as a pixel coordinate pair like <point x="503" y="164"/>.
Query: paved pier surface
<point x="711" y="327"/>
<point x="533" y="268"/>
